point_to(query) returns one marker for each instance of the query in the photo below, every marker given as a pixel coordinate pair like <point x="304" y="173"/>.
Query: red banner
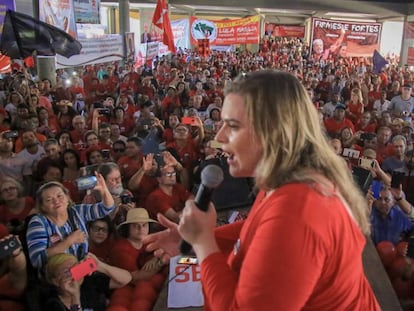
<point x="408" y="30"/>
<point x="410" y="57"/>
<point x="343" y="39"/>
<point x="275" y="30"/>
<point x="236" y="31"/>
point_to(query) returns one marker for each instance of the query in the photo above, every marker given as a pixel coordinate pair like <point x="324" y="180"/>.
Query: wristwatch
<point x="75" y="308"/>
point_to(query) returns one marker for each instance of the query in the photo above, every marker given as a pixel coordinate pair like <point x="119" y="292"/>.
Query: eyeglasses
<point x="170" y="174"/>
<point x="119" y="150"/>
<point x="9" y="189"/>
<point x="97" y="229"/>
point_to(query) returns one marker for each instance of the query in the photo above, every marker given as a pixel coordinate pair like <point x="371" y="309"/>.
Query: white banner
<point x="104" y="49"/>
<point x="185" y="289"/>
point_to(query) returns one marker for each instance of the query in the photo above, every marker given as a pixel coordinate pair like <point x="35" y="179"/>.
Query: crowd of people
<point x="88" y="162"/>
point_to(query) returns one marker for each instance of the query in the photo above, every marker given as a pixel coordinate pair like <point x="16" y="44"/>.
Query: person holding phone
<point x="308" y="210"/>
<point x="60" y="225"/>
<point x="13" y="275"/>
<point x="89" y="292"/>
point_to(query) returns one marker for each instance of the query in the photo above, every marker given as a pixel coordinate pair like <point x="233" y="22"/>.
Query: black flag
<point x="22" y="35"/>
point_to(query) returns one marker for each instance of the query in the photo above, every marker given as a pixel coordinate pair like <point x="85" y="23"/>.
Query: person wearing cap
<point x="335" y="124"/>
<point x="403" y="105"/>
<point x="13" y="276"/>
<point x="129" y="251"/>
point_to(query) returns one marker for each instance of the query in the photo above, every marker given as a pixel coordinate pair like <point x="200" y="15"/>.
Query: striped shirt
<point x="42" y="233"/>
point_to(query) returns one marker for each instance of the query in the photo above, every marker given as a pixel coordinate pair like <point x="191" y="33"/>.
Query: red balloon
<point x="387" y="252"/>
<point x="402" y="248"/>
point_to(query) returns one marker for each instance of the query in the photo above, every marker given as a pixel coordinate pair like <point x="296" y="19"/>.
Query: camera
<point x="8" y="246"/>
<point x="126" y="198"/>
<point x="367" y="136"/>
<point x="104" y="111"/>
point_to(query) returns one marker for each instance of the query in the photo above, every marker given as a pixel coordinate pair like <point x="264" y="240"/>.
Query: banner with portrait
<point x="236" y="31"/>
<point x="87" y="11"/>
<point x="344" y="39"/>
<point x="58" y="13"/>
<point x="275" y="30"/>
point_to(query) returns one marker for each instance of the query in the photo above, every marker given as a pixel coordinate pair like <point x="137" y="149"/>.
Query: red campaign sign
<point x="410" y="56"/>
<point x="276" y="30"/>
<point x="344" y="39"/>
<point x="408" y="30"/>
<point x="236" y="31"/>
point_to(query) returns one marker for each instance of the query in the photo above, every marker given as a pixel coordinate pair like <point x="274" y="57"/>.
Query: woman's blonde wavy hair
<point x="294" y="144"/>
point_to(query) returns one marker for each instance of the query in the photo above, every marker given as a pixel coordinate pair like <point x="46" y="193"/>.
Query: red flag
<point x="162" y="21"/>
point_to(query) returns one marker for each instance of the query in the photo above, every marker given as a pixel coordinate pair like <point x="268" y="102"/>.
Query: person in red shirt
<point x="384" y="146"/>
<point x="355" y="106"/>
<point x="15" y="207"/>
<point x="101" y="238"/>
<point x="170" y="197"/>
<point x="136" y="170"/>
<point x="364" y="123"/>
<point x="129" y="252"/>
<point x="335" y="124"/>
<point x="308" y="210"/>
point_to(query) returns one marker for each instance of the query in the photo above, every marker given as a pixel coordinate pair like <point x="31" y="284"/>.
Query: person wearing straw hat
<point x="129" y="253"/>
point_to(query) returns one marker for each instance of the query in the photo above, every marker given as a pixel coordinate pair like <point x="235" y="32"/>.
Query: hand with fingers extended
<point x="164" y="244"/>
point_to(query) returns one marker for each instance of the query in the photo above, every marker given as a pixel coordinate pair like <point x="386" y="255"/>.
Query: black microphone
<point x="211" y="177"/>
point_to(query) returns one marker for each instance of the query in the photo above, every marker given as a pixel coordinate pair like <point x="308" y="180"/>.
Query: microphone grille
<point x="212" y="176"/>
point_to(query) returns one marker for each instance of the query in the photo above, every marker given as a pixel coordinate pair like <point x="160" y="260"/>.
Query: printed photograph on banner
<point x="331" y="38"/>
<point x="87" y="11"/>
<point x="149" y="32"/>
<point x="58" y="13"/>
<point x="130" y="46"/>
<point x="235" y="31"/>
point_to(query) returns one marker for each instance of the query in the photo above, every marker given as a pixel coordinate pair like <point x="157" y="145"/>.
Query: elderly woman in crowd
<point x="60" y="226"/>
<point x="15" y="207"/>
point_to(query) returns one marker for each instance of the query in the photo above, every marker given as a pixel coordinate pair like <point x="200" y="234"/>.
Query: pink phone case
<point x="83" y="268"/>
